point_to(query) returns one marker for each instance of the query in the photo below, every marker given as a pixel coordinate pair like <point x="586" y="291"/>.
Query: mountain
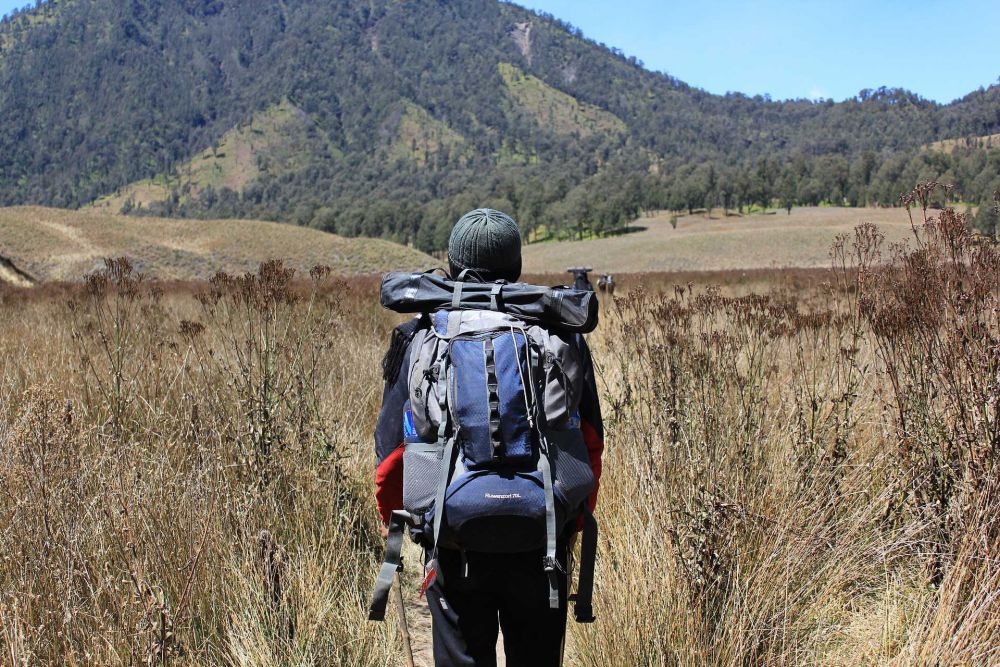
<point x="390" y="117"/>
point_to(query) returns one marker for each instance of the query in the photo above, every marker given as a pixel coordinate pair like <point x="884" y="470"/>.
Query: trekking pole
<point x="403" y="627"/>
<point x="569" y="590"/>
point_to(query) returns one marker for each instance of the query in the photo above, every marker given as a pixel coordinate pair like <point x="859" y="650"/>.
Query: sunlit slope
<point x="948" y="145"/>
<point x="802" y="239"/>
<point x="274" y="141"/>
<point x="55" y="244"/>
<point x="554" y="109"/>
<point x="279" y="142"/>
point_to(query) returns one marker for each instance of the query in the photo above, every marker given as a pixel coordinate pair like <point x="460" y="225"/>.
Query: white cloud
<point x="818" y="93"/>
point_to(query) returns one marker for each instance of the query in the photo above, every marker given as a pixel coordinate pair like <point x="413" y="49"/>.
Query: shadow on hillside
<point x="631" y="229"/>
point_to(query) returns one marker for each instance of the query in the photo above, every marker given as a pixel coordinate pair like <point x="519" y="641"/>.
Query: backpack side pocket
<point x="426" y="351"/>
<point x="421" y="472"/>
<point x="573" y="476"/>
<point x="561" y="377"/>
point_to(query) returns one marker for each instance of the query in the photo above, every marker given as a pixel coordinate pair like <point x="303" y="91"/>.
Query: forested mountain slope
<point x="385" y="117"/>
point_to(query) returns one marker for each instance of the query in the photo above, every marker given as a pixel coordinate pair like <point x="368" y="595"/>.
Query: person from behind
<point x="489" y="445"/>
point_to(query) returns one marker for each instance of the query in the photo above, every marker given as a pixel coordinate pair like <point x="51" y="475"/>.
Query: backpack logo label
<point x="409" y="430"/>
<point x="503" y="496"/>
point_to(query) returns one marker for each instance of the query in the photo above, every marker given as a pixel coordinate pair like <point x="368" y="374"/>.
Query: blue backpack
<point x="494" y="458"/>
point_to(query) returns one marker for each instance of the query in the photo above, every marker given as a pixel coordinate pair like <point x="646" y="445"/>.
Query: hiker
<point x="510" y="581"/>
<point x="606" y="283"/>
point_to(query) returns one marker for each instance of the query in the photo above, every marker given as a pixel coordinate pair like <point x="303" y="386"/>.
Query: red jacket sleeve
<point x="389" y="484"/>
<point x="595" y="450"/>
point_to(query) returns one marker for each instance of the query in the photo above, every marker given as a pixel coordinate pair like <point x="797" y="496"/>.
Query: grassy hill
<point x="55" y="244"/>
<point x="554" y="109"/>
<point x="800" y="240"/>
<point x="271" y="143"/>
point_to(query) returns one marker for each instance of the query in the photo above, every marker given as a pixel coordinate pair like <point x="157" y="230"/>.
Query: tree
<point x="788" y="189"/>
<point x="987" y="218"/>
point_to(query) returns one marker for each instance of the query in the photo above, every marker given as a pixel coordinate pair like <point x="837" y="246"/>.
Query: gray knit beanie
<point x="488" y="243"/>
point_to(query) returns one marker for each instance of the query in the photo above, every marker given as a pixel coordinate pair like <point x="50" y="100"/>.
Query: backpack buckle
<point x="551" y="564"/>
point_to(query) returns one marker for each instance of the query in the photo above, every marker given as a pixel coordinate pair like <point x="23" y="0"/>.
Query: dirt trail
<point x="418" y="616"/>
<point x="75" y="235"/>
<point x="419" y="619"/>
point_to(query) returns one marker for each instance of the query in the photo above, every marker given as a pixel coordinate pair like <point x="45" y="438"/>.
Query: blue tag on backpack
<point x="409" y="431"/>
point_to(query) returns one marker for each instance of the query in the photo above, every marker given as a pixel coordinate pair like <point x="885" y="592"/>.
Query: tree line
<point x="549" y="205"/>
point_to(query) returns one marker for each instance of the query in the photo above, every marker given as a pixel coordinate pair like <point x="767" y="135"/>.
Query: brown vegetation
<point x="55" y="244"/>
<point x="799" y="472"/>
<point x="181" y="476"/>
<point x="808" y="479"/>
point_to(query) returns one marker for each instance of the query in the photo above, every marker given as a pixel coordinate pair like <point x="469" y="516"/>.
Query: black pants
<point x="508" y="591"/>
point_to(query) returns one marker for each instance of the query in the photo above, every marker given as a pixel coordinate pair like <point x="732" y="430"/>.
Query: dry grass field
<point x="799" y="470"/>
<point x="948" y="145"/>
<point x="698" y="243"/>
<point x="55" y="244"/>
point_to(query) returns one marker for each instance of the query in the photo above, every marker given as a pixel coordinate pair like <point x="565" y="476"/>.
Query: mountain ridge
<point x="491" y="98"/>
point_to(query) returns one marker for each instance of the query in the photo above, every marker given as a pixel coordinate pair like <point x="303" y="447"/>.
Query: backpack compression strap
<point x="446" y="461"/>
<point x="392" y="564"/>
<point x="550" y="562"/>
<point x="584" y="608"/>
<point x="552" y="566"/>
<point x="449" y="449"/>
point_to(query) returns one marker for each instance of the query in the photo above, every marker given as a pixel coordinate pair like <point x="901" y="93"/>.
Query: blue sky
<point x="801" y="48"/>
<point x="796" y="48"/>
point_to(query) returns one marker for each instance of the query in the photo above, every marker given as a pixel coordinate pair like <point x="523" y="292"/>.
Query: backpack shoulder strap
<point x="402" y="335"/>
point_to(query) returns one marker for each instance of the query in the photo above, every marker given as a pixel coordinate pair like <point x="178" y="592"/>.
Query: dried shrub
<point x="181" y="478"/>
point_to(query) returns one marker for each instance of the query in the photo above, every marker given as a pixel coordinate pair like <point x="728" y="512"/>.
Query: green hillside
<point x="274" y="142"/>
<point x="554" y="109"/>
<point x="385" y="118"/>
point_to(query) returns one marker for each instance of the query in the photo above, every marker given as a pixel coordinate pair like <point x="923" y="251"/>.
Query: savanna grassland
<point x="800" y="471"/>
<point x="670" y="241"/>
<point x="55" y="244"/>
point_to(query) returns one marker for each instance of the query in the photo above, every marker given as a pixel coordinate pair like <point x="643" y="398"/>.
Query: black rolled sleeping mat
<point x="561" y="308"/>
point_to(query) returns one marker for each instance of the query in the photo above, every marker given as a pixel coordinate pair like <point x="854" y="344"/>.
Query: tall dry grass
<point x="185" y="476"/>
<point x="807" y="479"/>
<point x="798" y="475"/>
